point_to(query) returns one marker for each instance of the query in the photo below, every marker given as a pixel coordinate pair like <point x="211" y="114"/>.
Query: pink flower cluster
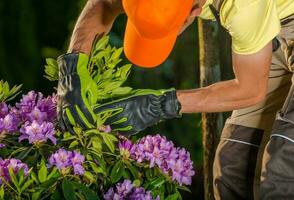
<point x="15" y="164"/>
<point x="63" y="160"/>
<point x="157" y="150"/>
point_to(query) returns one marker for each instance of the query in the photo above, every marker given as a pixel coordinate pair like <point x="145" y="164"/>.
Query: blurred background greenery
<point x="32" y="30"/>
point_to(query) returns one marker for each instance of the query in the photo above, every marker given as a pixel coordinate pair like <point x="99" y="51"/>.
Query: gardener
<point x="261" y="88"/>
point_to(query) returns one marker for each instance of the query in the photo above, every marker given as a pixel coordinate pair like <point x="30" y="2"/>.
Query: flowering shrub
<point x="127" y="190"/>
<point x="39" y="161"/>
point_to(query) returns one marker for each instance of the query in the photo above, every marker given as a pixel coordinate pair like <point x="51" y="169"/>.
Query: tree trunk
<point x="209" y="73"/>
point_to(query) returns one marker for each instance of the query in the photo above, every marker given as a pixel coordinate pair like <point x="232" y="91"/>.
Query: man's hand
<point x="141" y="110"/>
<point x="196" y="10"/>
<point x="77" y="91"/>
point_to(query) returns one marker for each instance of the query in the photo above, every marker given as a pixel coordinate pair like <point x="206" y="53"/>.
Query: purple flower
<point x="125" y="148"/>
<point x="140" y="194"/>
<point x="15" y="164"/>
<point x="63" y="159"/>
<point x="3" y="110"/>
<point x="127" y="191"/>
<point x="124" y="188"/>
<point x="172" y="161"/>
<point x="109" y="195"/>
<point x="9" y="123"/>
<point x="48" y="106"/>
<point x="38" y="133"/>
<point x="76" y="161"/>
<point x="37" y="115"/>
<point x="27" y="103"/>
<point x="34" y="107"/>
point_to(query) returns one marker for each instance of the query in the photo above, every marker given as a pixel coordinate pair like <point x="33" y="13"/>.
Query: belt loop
<point x="276" y="44"/>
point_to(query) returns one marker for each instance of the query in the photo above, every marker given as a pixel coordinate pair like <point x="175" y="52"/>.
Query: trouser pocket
<point x="277" y="177"/>
<point x="235" y="162"/>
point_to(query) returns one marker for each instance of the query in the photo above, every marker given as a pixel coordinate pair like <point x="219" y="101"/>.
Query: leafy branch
<point x="7" y="93"/>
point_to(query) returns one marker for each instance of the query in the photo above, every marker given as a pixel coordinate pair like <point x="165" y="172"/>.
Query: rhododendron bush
<point x="39" y="161"/>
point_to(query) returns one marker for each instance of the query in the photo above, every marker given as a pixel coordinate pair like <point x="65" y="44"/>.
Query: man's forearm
<point x="220" y="97"/>
<point x="97" y="17"/>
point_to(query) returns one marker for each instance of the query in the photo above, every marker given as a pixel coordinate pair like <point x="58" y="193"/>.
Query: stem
<point x="111" y="154"/>
<point x="81" y="140"/>
<point x="9" y="186"/>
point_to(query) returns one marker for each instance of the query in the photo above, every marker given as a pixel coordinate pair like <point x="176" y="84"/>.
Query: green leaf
<point x="122" y="91"/>
<point x="51" y="61"/>
<point x="184" y="188"/>
<point x="48" y="183"/>
<point x="88" y="175"/>
<point x="51" y="70"/>
<point x="96" y="144"/>
<point x="56" y="196"/>
<point x="26" y="185"/>
<point x="125" y="71"/>
<point x="7" y="93"/>
<point x="101" y="44"/>
<point x="97" y="169"/>
<point x="116" y="54"/>
<point x="24" y="153"/>
<point x="109" y="142"/>
<point x="2" y="192"/>
<point x="96" y="153"/>
<point x="107" y="74"/>
<point x="53" y="174"/>
<point x="13" y="178"/>
<point x="110" y="136"/>
<point x="42" y="173"/>
<point x="34" y="177"/>
<point x="67" y="136"/>
<point x="20" y="176"/>
<point x="132" y="169"/>
<point x="175" y="196"/>
<point x="73" y="144"/>
<point x="36" y="195"/>
<point x="110" y="86"/>
<point x="156" y="183"/>
<point x="88" y="193"/>
<point x="117" y="171"/>
<point x="68" y="190"/>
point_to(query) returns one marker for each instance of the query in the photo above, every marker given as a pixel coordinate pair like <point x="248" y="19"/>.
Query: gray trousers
<point x="255" y="156"/>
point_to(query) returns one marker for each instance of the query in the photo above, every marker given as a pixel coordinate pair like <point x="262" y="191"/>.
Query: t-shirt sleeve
<point x="253" y="25"/>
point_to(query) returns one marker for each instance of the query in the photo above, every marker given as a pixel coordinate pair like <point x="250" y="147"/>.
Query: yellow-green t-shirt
<point x="251" y="23"/>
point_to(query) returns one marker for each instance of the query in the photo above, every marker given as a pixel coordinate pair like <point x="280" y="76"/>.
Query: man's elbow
<point x="255" y="98"/>
<point x="258" y="98"/>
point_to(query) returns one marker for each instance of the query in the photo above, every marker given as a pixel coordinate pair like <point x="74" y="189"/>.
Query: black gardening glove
<point x="77" y="91"/>
<point x="141" y="110"/>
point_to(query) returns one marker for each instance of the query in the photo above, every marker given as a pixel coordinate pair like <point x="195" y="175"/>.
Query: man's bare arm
<point x="97" y="17"/>
<point x="248" y="88"/>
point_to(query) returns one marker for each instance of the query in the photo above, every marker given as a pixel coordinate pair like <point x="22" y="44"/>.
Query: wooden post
<point x="209" y="73"/>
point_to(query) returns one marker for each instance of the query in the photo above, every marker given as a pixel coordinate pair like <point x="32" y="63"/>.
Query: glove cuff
<point x="171" y="106"/>
<point x="68" y="63"/>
